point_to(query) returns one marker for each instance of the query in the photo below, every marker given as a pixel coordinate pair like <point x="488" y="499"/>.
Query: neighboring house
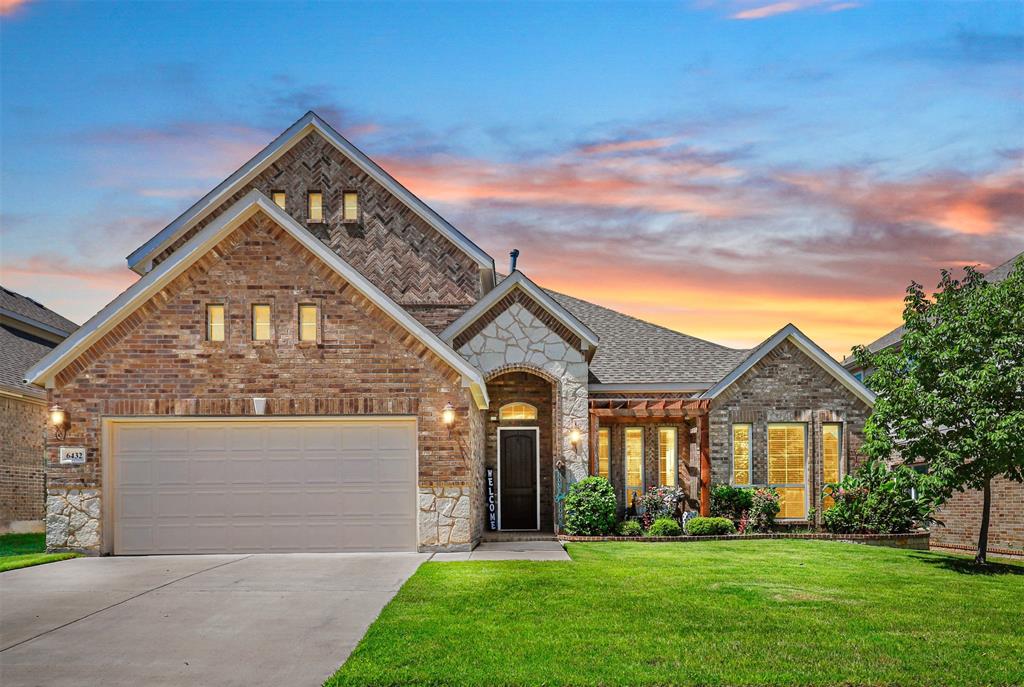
<point x="28" y="331"/>
<point x="314" y="360"/>
<point x="961" y="514"/>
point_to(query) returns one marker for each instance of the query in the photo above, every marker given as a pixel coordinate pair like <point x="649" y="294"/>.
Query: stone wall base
<point x="73" y="520"/>
<point x="444" y="519"/>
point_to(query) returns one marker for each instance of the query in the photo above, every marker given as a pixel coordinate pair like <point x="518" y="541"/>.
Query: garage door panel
<point x="244" y="486"/>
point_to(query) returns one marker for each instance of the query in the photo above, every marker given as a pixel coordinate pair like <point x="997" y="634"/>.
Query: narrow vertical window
<point x="215" y="322"/>
<point x="604" y="451"/>
<point x="668" y="467"/>
<point x="307" y="323"/>
<point x="634" y="464"/>
<point x="831" y="450"/>
<point x="279" y="199"/>
<point x="316" y="206"/>
<point x="261" y="323"/>
<point x="741" y="455"/>
<point x="786" y="468"/>
<point x="350" y="206"/>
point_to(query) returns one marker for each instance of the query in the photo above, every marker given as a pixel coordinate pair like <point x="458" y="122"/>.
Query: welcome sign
<point x="492" y="510"/>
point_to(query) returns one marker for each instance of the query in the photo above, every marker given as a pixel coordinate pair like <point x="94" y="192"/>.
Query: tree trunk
<point x="983" y="534"/>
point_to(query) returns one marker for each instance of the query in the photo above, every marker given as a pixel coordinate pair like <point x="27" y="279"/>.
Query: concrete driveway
<point x="288" y="619"/>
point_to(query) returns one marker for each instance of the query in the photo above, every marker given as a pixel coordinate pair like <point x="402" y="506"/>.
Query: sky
<point x="720" y="168"/>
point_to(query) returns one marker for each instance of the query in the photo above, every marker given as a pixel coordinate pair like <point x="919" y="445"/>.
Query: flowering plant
<point x="659" y="502"/>
<point x="763" y="509"/>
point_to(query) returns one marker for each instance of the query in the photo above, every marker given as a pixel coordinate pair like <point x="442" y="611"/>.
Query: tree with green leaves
<point x="952" y="396"/>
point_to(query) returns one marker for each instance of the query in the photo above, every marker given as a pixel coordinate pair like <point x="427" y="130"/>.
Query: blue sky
<point x="719" y="167"/>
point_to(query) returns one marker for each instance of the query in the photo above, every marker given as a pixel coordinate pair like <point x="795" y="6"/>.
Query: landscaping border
<point x="912" y="540"/>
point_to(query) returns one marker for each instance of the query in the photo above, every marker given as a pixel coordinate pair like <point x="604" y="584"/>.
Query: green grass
<point x="715" y="613"/>
<point x="24" y="550"/>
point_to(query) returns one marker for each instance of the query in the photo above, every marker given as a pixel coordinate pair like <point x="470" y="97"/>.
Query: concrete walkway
<point x="509" y="551"/>
<point x="288" y="619"/>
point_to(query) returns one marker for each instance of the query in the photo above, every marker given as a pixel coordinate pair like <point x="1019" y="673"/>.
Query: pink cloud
<point x="763" y="11"/>
<point x="8" y="7"/>
<point x="628" y="146"/>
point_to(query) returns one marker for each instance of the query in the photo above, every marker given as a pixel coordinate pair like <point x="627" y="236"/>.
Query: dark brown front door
<point x="518" y="479"/>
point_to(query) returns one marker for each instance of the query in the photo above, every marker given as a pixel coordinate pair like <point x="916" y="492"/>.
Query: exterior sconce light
<point x="61" y="422"/>
<point x="575" y="436"/>
<point x="448" y="416"/>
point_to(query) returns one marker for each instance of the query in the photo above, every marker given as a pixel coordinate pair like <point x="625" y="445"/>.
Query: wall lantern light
<point x="61" y="422"/>
<point x="575" y="436"/>
<point x="448" y="416"/>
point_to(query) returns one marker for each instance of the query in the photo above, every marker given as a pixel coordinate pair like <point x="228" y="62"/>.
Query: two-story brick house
<point x="314" y="360"/>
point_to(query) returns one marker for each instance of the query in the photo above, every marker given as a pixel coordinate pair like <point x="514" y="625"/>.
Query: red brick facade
<point x="390" y="245"/>
<point x="961" y="518"/>
<point x="786" y="386"/>
<point x="22" y="481"/>
<point x="158" y="361"/>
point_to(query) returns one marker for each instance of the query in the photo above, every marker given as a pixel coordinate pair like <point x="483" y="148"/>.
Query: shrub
<point x="630" y="528"/>
<point x="730" y="502"/>
<point x="764" y="507"/>
<point x="590" y="507"/>
<point x="665" y="527"/>
<point x="703" y="527"/>
<point x="877" y="500"/>
<point x="659" y="502"/>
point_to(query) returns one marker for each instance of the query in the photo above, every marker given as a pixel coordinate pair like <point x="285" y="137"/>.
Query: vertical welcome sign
<point x="492" y="510"/>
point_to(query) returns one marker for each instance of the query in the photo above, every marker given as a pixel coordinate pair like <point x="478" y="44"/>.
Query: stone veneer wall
<point x="518" y="340"/>
<point x="22" y="478"/>
<point x="157" y="362"/>
<point x="786" y="386"/>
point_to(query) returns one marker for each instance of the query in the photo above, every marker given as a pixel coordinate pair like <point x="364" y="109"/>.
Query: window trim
<point x="625" y="462"/>
<point x="792" y="485"/>
<point x="309" y="208"/>
<point x="224" y="322"/>
<point x="675" y="454"/>
<point x="344" y="207"/>
<point x="270" y="322"/>
<point x="316" y="322"/>
<point x="750" y="453"/>
<point x="607" y="432"/>
<point x="501" y="409"/>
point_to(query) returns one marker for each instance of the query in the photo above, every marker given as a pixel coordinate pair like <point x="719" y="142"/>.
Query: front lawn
<point x="24" y="550"/>
<point x="717" y="613"/>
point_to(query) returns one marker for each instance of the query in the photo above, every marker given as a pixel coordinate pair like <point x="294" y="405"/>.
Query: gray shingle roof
<point x="894" y="337"/>
<point x="633" y="351"/>
<point x="18" y="352"/>
<point x="25" y="306"/>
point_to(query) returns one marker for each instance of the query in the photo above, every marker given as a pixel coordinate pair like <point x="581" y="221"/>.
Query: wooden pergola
<point x="637" y="411"/>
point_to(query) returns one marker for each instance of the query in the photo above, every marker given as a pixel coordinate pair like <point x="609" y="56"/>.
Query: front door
<point x="517" y="479"/>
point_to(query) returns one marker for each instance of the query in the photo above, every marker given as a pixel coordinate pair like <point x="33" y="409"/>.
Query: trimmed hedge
<point x="703" y="527"/>
<point x="665" y="527"/>
<point x="630" y="528"/>
<point x="590" y="507"/>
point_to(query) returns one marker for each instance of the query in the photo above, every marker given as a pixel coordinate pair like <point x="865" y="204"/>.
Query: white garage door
<point x="264" y="485"/>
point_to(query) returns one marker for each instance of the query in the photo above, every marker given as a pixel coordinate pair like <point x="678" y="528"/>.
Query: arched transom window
<point x="517" y="411"/>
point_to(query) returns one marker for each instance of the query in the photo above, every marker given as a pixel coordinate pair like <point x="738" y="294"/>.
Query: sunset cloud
<point x="766" y="10"/>
<point x="8" y="7"/>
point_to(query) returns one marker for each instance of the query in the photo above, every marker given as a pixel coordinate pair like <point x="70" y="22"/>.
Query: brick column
<point x="705" y="464"/>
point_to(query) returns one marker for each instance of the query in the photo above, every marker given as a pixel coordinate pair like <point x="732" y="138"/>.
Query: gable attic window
<point x="215" y="322"/>
<point x="261" y="322"/>
<point x="517" y="411"/>
<point x="315" y="206"/>
<point x="350" y="206"/>
<point x="307" y="322"/>
<point x="279" y="199"/>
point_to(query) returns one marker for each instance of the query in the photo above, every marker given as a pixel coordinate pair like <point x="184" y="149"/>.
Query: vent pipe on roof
<point x="514" y="256"/>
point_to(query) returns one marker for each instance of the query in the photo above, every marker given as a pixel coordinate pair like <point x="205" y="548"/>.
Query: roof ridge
<point x="647" y="323"/>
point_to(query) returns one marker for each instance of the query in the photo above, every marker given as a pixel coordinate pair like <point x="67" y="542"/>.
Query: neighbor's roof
<point x="996" y="274"/>
<point x="200" y="244"/>
<point x="307" y="124"/>
<point x="32" y="312"/>
<point x="633" y="351"/>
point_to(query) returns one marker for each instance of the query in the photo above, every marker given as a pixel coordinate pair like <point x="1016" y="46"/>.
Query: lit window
<point x="741" y="455"/>
<point x="668" y="468"/>
<point x="786" y="470"/>
<point x="316" y="207"/>
<point x="831" y="449"/>
<point x="634" y="464"/>
<point x="307" y="323"/>
<point x="214" y="322"/>
<point x="279" y="198"/>
<point x="350" y="206"/>
<point x="604" y="451"/>
<point x="261" y="322"/>
<point x="517" y="411"/>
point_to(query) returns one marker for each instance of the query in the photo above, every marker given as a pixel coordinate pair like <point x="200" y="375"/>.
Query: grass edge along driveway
<point x="770" y="612"/>
<point x="23" y="550"/>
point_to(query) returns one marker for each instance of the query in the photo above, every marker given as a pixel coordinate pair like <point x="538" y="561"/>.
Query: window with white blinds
<point x="787" y="472"/>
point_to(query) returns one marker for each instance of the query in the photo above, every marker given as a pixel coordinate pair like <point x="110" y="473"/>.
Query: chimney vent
<point x="514" y="256"/>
